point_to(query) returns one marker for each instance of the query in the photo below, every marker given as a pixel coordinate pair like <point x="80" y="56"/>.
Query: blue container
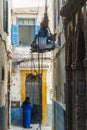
<point x="27" y="115"/>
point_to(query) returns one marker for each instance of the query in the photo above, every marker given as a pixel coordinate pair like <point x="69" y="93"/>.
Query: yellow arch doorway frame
<point x="24" y="74"/>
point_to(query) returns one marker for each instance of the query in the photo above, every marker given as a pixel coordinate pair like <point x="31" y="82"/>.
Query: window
<point x="26" y="35"/>
<point x="24" y="31"/>
<point x="5" y="15"/>
<point x="3" y="74"/>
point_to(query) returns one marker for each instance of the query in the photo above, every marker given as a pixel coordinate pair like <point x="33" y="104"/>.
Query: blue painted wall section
<point x="14" y="35"/>
<point x="3" y="118"/>
<point x="16" y="116"/>
<point x="59" y="117"/>
<point x="49" y="114"/>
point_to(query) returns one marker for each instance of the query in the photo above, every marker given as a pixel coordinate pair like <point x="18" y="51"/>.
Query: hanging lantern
<point x="44" y="40"/>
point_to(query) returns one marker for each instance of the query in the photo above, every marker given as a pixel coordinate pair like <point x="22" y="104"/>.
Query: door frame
<point x="24" y="74"/>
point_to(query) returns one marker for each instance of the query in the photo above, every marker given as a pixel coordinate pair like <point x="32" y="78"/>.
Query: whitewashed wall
<point x="19" y="54"/>
<point x="28" y="3"/>
<point x="15" y="85"/>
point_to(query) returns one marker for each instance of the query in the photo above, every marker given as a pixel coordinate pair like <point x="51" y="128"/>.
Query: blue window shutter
<point x="15" y="35"/>
<point x="37" y="27"/>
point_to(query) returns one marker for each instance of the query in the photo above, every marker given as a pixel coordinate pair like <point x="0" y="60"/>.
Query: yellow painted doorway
<point x="24" y="74"/>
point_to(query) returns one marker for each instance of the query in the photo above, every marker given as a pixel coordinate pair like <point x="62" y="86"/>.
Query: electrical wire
<point x="31" y="62"/>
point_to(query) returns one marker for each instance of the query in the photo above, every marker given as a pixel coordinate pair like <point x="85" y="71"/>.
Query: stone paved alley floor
<point x="34" y="127"/>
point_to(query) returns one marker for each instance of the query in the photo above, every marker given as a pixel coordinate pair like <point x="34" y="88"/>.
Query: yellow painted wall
<point x="24" y="74"/>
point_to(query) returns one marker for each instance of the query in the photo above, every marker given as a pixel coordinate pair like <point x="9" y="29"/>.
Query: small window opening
<point x="2" y="74"/>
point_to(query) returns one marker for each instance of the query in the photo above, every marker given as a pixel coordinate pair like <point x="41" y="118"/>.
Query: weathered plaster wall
<point x="3" y="65"/>
<point x="20" y="54"/>
<point x="5" y="46"/>
<point x="58" y="91"/>
<point x="61" y="75"/>
<point x="3" y="87"/>
<point x="15" y="84"/>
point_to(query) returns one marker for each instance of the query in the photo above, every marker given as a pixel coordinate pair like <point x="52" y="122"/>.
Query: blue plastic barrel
<point x="27" y="115"/>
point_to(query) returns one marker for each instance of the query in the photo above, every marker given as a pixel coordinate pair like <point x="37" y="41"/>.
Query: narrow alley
<point x="34" y="127"/>
<point x="43" y="64"/>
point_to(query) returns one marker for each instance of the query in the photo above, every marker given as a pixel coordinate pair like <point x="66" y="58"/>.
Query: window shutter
<point x="15" y="35"/>
<point x="4" y="15"/>
<point x="37" y="27"/>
